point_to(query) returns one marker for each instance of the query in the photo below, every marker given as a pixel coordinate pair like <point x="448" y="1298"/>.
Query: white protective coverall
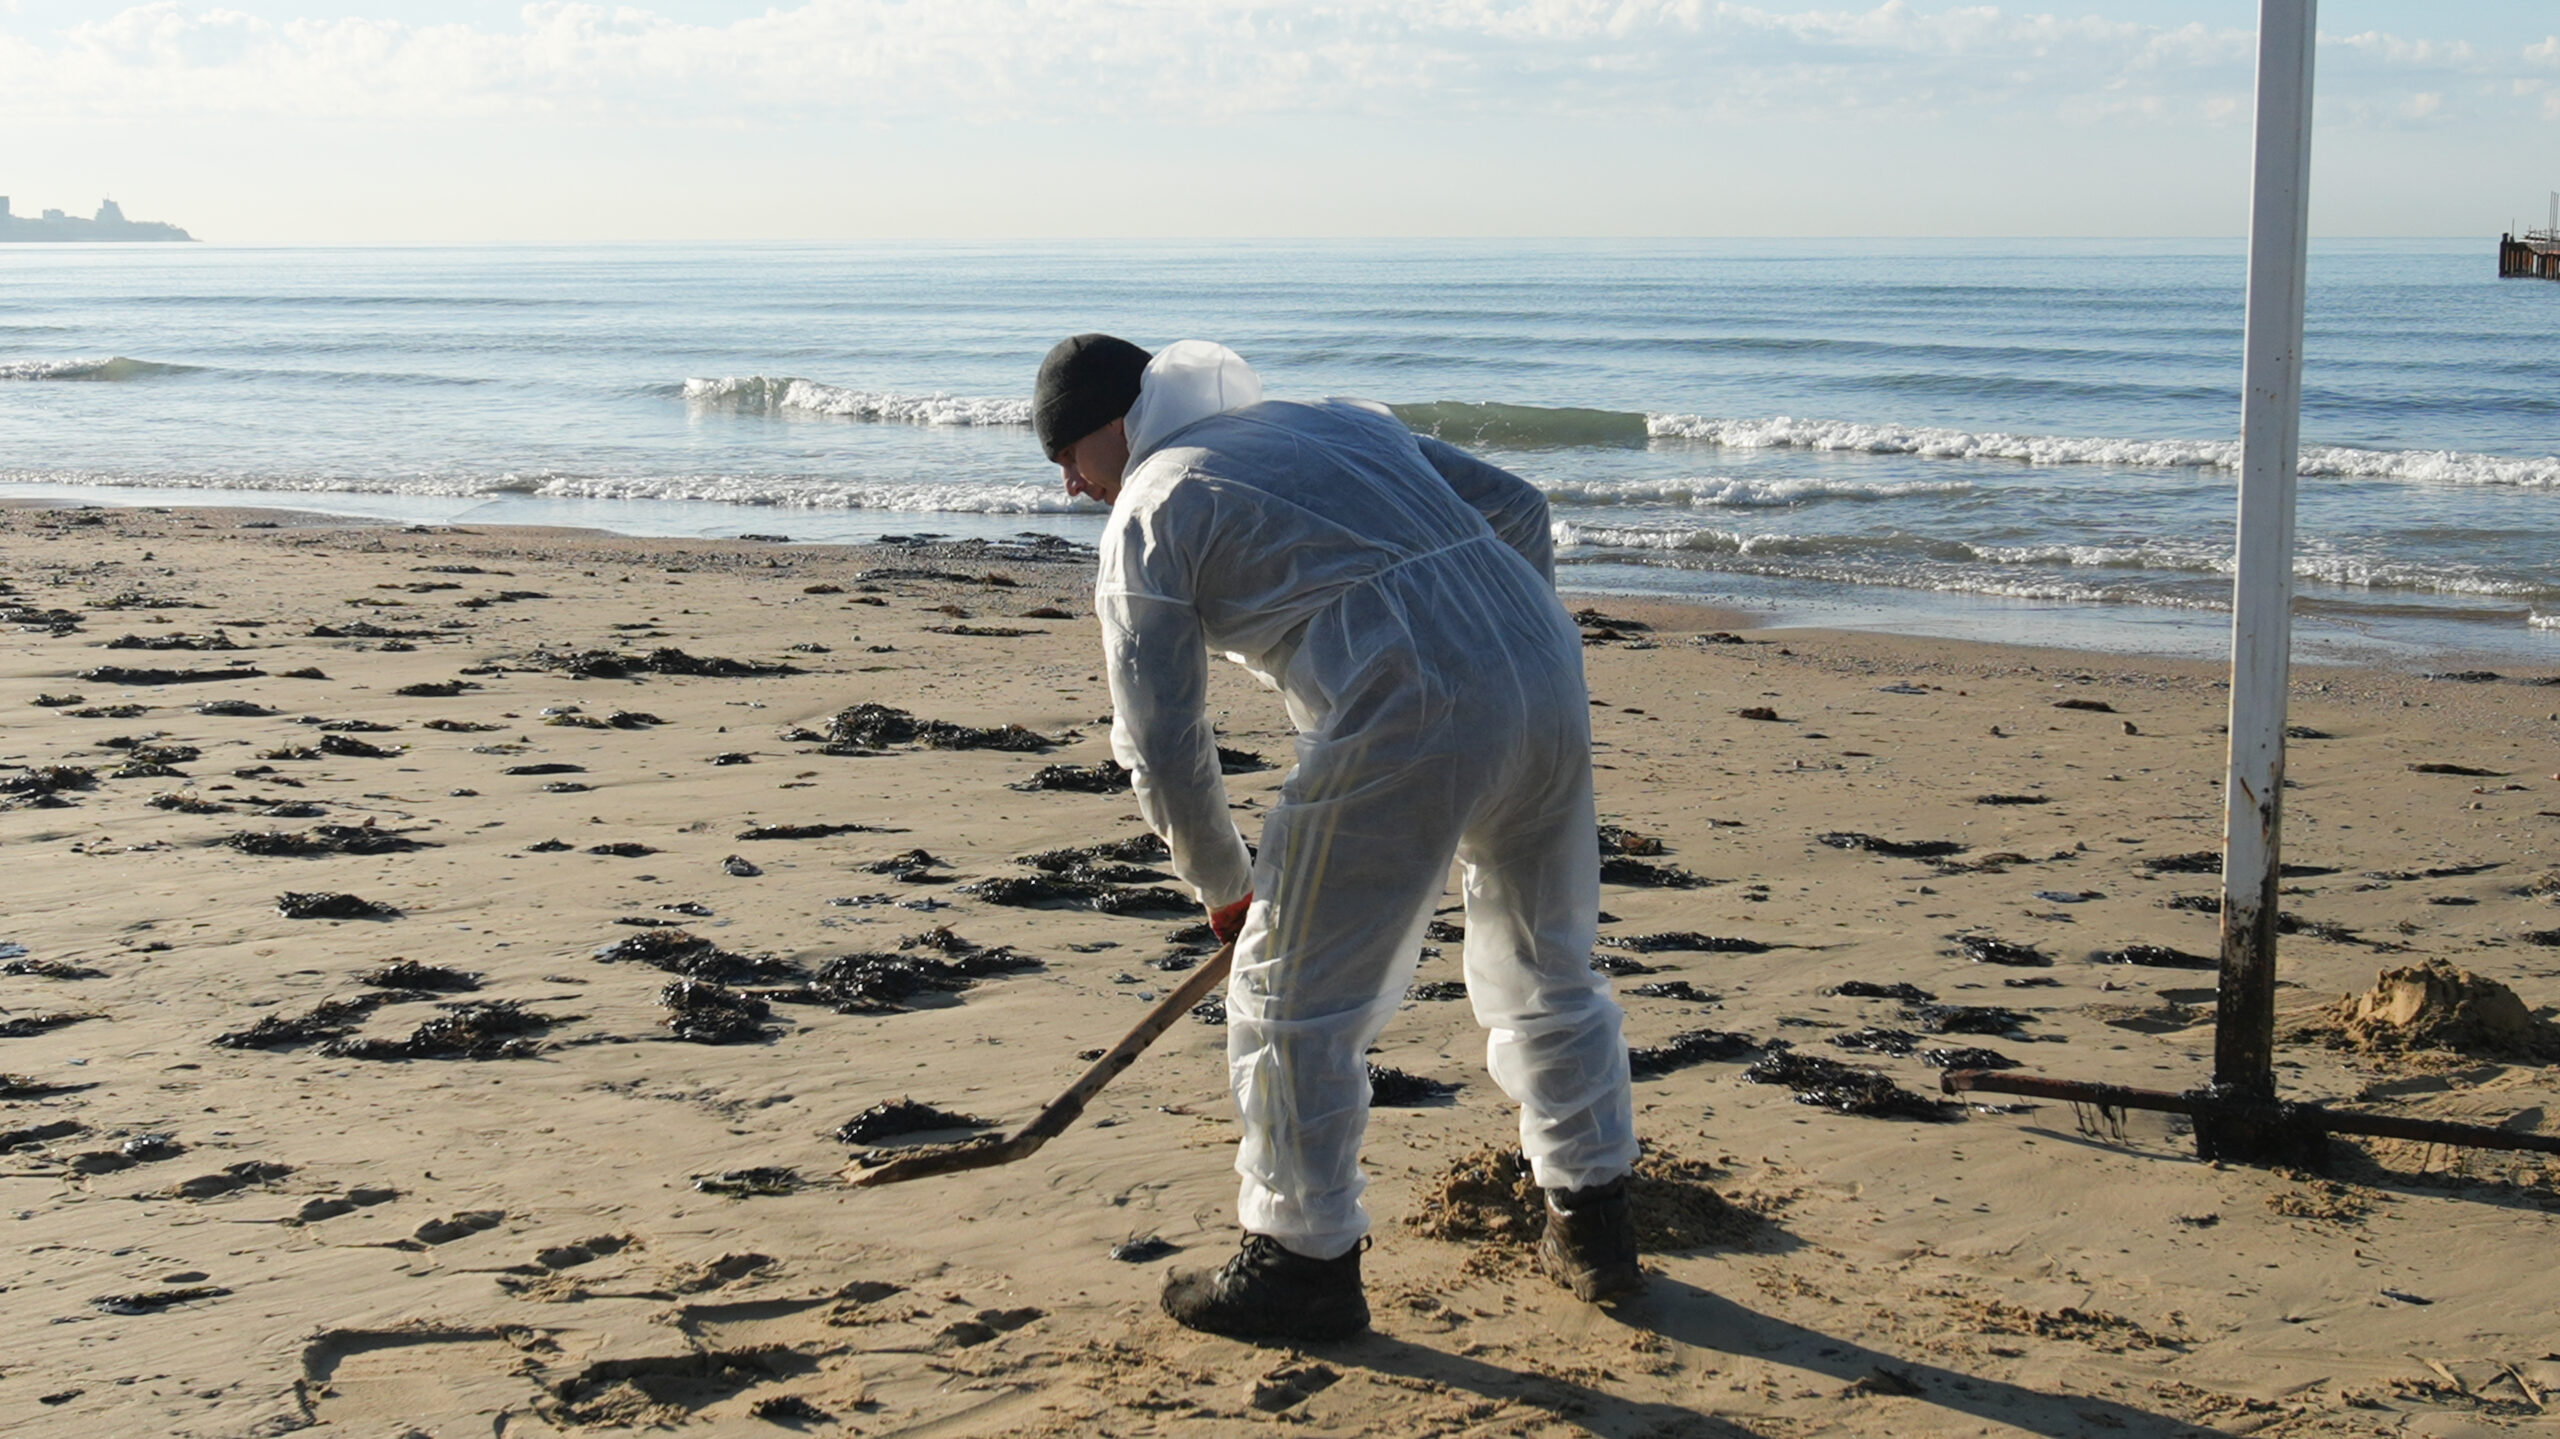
<point x="1400" y="594"/>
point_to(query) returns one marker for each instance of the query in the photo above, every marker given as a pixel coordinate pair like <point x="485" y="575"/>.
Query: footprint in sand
<point x="459" y="1226"/>
<point x="330" y="1206"/>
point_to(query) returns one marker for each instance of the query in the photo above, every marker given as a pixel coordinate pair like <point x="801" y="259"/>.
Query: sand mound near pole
<point x="2435" y="1005"/>
<point x="1489" y="1196"/>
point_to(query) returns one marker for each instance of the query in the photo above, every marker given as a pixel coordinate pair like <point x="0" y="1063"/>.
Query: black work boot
<point x="1267" y="1292"/>
<point x="1590" y="1243"/>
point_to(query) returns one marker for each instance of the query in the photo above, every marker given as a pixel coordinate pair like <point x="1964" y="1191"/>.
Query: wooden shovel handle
<point x="1063" y="1110"/>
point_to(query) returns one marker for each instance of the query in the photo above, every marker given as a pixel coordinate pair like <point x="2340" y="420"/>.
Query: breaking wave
<point x="779" y="395"/>
<point x="806" y="493"/>
<point x="2021" y="570"/>
<point x="1719" y="493"/>
<point x="2330" y="461"/>
<point x="115" y="367"/>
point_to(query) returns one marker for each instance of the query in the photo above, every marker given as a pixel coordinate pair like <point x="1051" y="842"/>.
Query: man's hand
<point x="1227" y="923"/>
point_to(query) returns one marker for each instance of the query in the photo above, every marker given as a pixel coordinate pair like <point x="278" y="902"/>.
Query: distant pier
<point x="2536" y="255"/>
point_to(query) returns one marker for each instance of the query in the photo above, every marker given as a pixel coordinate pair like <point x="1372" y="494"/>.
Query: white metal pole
<point x="2262" y="593"/>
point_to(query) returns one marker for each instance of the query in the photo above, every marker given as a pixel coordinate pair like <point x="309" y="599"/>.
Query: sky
<point x="380" y="121"/>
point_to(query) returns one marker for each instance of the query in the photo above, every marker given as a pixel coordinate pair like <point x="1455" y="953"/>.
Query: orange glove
<point x="1227" y="923"/>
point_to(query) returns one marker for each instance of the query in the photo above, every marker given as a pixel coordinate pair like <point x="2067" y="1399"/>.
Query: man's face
<point x="1093" y="464"/>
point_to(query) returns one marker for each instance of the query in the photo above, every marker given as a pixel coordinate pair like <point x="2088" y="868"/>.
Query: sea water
<point x="2027" y="440"/>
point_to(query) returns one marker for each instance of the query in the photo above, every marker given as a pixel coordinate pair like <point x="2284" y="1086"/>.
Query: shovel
<point x="988" y="1152"/>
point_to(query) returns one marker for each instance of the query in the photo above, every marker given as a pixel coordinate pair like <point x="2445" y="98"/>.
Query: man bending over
<point x="1399" y="593"/>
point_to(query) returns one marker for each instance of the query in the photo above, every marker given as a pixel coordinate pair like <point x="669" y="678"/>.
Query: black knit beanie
<point x="1086" y="382"/>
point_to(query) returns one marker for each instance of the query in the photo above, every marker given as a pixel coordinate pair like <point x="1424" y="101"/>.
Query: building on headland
<point x="2537" y="254"/>
<point x="108" y="224"/>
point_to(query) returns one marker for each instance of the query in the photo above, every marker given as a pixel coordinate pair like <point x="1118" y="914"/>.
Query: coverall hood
<point x="1187" y="382"/>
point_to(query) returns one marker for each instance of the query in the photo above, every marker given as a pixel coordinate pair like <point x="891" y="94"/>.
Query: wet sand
<point x="497" y="1191"/>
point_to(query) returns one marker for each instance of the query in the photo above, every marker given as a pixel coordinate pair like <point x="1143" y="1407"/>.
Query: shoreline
<point x="2410" y="638"/>
<point x="599" y="1222"/>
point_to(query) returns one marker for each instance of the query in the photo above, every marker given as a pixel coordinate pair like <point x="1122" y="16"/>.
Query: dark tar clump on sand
<point x="1895" y="848"/>
<point x="1395" y="1089"/>
<point x="896" y="1118"/>
<point x="870" y="727"/>
<point x="294" y="905"/>
<point x="702" y="1012"/>
<point x="1697" y="1046"/>
<point x="497" y="1029"/>
<point x="1830" y="1084"/>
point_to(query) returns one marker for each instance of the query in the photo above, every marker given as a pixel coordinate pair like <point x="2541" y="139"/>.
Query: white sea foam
<point x="953" y="497"/>
<point x="768" y="395"/>
<point x="2336" y="461"/>
<point x="2010" y="569"/>
<point x="1718" y="492"/>
<point x="114" y="367"/>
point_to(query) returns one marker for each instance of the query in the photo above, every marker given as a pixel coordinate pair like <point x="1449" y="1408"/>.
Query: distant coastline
<point x="108" y="224"/>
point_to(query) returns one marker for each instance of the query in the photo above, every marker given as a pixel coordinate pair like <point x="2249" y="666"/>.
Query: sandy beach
<point x="262" y="1180"/>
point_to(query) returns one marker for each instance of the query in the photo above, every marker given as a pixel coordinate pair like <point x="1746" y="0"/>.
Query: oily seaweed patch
<point x="1618" y="839"/>
<point x="870" y="727"/>
<point x="1983" y="949"/>
<point x="181" y="802"/>
<point x="1136" y="849"/>
<point x="1618" y="966"/>
<point x="611" y="665"/>
<point x="1617" y="869"/>
<point x="320" y="839"/>
<point x="1696" y="1046"/>
<point x="1679" y="989"/>
<point x="767" y="1179"/>
<point x="682" y="952"/>
<point x="1892" y="848"/>
<point x="46" y="968"/>
<point x="897" y="1118"/>
<point x="1966" y="1059"/>
<point x="48" y="779"/>
<point x="808" y="831"/>
<point x="2209" y="861"/>
<point x="1438" y="989"/>
<point x="492" y="1029"/>
<point x="1829" y="1084"/>
<point x="1490" y="1196"/>
<point x="915" y="866"/>
<point x="339" y="744"/>
<point x="876" y="983"/>
<point x="1101" y="897"/>
<point x="2154" y="956"/>
<point x="1868" y="989"/>
<point x="122" y="675"/>
<point x="702" y="1012"/>
<point x="152" y="1301"/>
<point x="328" y="1019"/>
<point x="410" y="974"/>
<point x="1106" y="777"/>
<point x="1877" y="1040"/>
<point x="1391" y="1088"/>
<point x="1965" y="1018"/>
<point x="27" y="1026"/>
<point x="1684" y="940"/>
<point x="297" y="905"/>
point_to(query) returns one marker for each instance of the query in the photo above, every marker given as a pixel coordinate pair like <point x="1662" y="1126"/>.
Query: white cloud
<point x="1182" y="61"/>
